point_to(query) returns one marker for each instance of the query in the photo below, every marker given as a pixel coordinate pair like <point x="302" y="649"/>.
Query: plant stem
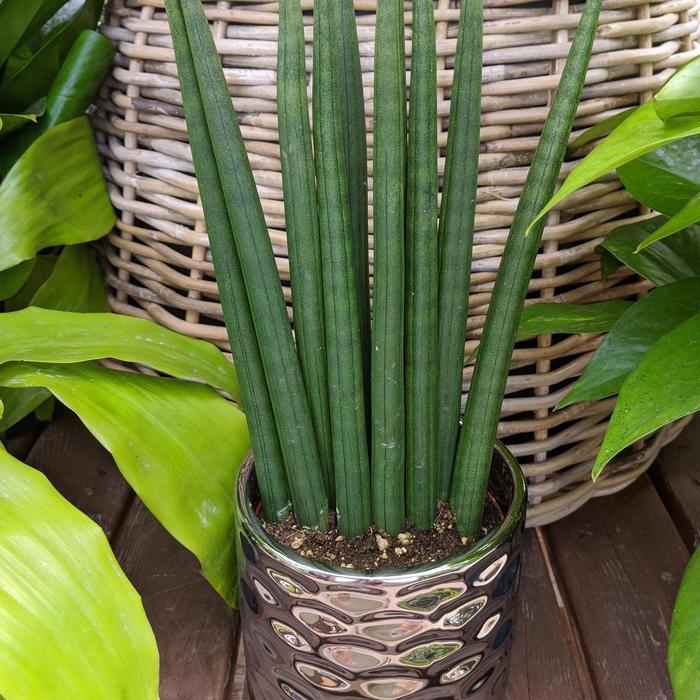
<point x="247" y="222"/>
<point x="388" y="416"/>
<point x="342" y="315"/>
<point x="352" y="106"/>
<point x="301" y="218"/>
<point x="456" y="231"/>
<point x="488" y="384"/>
<point x="422" y="273"/>
<point x="269" y="466"/>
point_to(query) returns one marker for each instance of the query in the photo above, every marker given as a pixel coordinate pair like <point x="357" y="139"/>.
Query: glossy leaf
<point x="665" y="179"/>
<point x="652" y="396"/>
<point x="71" y="624"/>
<point x="688" y="215"/>
<point x="19" y="403"/>
<point x="12" y="122"/>
<point x="548" y="317"/>
<point x="75" y="283"/>
<point x="684" y="638"/>
<point x="54" y="195"/>
<point x="641" y="132"/>
<point x="681" y="93"/>
<point x="178" y="444"/>
<point x="71" y="93"/>
<point x="31" y="79"/>
<point x="599" y="130"/>
<point x="76" y="337"/>
<point x="670" y="260"/>
<point x="40" y="269"/>
<point x="631" y="337"/>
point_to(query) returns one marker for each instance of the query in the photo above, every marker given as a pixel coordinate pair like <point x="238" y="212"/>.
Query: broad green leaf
<point x="663" y="387"/>
<point x="19" y="403"/>
<point x="641" y="132"/>
<point x="75" y="283"/>
<point x="71" y="624"/>
<point x="630" y="338"/>
<point x="12" y="122"/>
<point x="15" y="18"/>
<point x="690" y="214"/>
<point x="68" y="337"/>
<point x="178" y="444"/>
<point x="14" y="278"/>
<point x="54" y="195"/>
<point x="681" y="94"/>
<point x="670" y="260"/>
<point x="665" y="179"/>
<point x="26" y="83"/>
<point x="40" y="270"/>
<point x="552" y="317"/>
<point x="684" y="638"/>
<point x="71" y="93"/>
<point x="599" y="130"/>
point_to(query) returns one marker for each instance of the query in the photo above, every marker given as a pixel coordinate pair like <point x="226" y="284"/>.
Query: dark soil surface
<point x="376" y="549"/>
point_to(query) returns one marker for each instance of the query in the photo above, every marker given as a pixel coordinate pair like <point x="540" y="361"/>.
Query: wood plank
<point x="82" y="470"/>
<point x="620" y="560"/>
<point x="545" y="663"/>
<point x="194" y="628"/>
<point x="677" y="479"/>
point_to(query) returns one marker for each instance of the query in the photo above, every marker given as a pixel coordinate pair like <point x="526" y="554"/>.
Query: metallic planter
<point x="441" y="631"/>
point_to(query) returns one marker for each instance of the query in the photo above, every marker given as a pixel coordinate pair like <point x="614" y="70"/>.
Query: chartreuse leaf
<point x="681" y="94"/>
<point x="684" y="638"/>
<point x="71" y="624"/>
<point x="673" y="259"/>
<point x="76" y="337"/>
<point x="12" y="122"/>
<point x="19" y="403"/>
<point x="54" y="195"/>
<point x="477" y="437"/>
<point x="40" y="269"/>
<point x="178" y="444"/>
<point x="665" y="179"/>
<point x="13" y="279"/>
<point x="549" y="317"/>
<point x="599" y="130"/>
<point x="639" y="327"/>
<point x="688" y="215"/>
<point x="641" y="132"/>
<point x="663" y="387"/>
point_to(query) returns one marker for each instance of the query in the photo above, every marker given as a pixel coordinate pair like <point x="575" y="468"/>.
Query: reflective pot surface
<point x="439" y="631"/>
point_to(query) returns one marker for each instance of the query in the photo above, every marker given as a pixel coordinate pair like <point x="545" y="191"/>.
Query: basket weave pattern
<point x="158" y="262"/>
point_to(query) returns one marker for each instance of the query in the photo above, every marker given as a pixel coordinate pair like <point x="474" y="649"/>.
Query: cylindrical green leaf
<point x="456" y="234"/>
<point x="301" y="218"/>
<point x="342" y="315"/>
<point x="422" y="273"/>
<point x="387" y="391"/>
<point x="475" y="449"/>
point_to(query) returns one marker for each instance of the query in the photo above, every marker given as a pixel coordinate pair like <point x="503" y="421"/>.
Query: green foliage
<point x="548" y="317"/>
<point x="477" y="437"/>
<point x="344" y="317"/>
<point x="72" y="624"/>
<point x="165" y="436"/>
<point x="680" y="96"/>
<point x="637" y="329"/>
<point x="301" y="223"/>
<point x="670" y="260"/>
<point x="54" y="195"/>
<point x="652" y="396"/>
<point x="387" y="363"/>
<point x="684" y="638"/>
<point x="456" y="233"/>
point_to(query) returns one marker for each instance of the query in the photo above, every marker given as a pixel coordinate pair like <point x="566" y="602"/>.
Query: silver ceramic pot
<point x="439" y="631"/>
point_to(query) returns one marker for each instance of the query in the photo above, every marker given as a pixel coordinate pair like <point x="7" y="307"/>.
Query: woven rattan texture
<point x="158" y="262"/>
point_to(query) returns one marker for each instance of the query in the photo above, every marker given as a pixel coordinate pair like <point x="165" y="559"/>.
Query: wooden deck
<point x="596" y="594"/>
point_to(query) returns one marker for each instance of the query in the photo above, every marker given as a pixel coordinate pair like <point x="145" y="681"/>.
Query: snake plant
<point x="366" y="423"/>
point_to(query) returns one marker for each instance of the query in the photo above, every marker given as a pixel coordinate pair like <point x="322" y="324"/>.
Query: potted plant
<point x="379" y="538"/>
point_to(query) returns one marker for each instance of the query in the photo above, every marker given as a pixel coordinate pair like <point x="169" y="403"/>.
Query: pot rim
<point x="295" y="561"/>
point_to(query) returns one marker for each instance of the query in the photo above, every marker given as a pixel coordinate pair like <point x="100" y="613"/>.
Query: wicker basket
<point x="158" y="262"/>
